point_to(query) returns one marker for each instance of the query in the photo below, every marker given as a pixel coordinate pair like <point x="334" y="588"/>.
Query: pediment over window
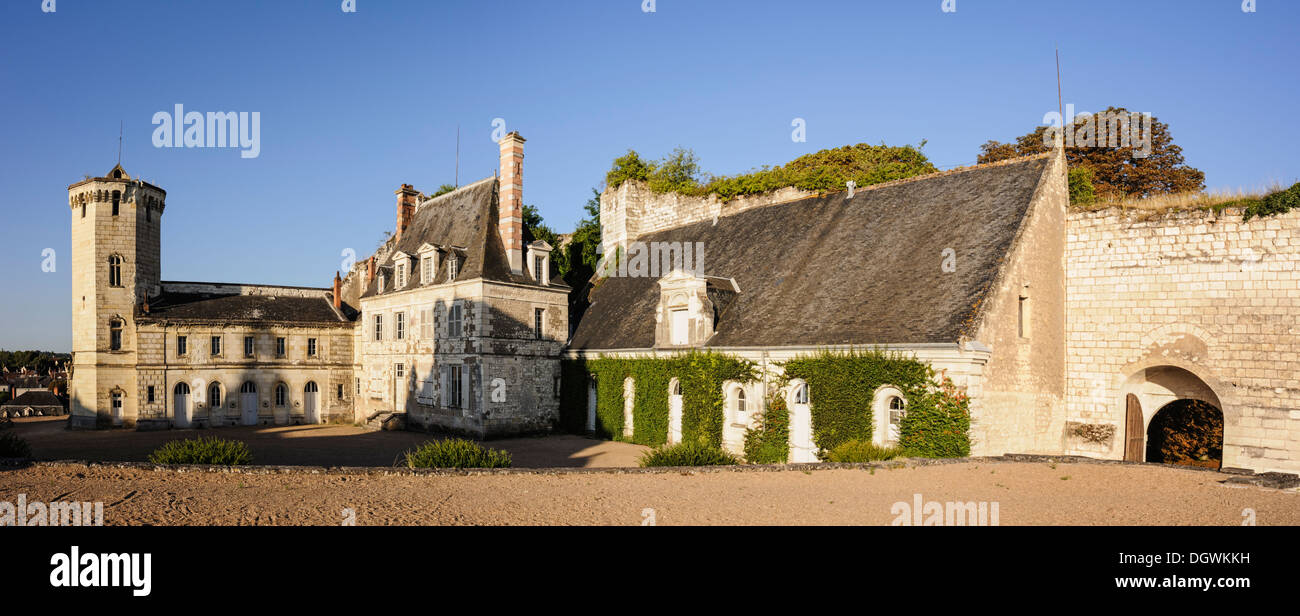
<point x="690" y="307"/>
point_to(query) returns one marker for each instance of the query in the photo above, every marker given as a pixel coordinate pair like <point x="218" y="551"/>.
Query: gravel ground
<point x="327" y="445"/>
<point x="1026" y="493"/>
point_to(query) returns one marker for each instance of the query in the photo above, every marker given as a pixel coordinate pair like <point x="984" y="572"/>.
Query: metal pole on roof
<point x="458" y="155"/>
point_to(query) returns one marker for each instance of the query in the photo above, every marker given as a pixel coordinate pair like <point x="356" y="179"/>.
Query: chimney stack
<point x="511" y="211"/>
<point x="370" y="269"/>
<point x="338" y="286"/>
<point x="405" y="208"/>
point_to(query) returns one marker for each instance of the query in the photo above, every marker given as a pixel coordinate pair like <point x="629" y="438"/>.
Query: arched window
<point x="801" y="393"/>
<point x="182" y="389"/>
<point x="281" y="394"/>
<point x="738" y="404"/>
<point x="115" y="335"/>
<point x="675" y="389"/>
<point x="248" y="388"/>
<point x="888" y="407"/>
<point x="115" y="271"/>
<point x="214" y="395"/>
<point x="310" y="388"/>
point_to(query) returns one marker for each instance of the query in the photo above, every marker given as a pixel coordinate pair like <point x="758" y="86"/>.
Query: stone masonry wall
<point x="1187" y="305"/>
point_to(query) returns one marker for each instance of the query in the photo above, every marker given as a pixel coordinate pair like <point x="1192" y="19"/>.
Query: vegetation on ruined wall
<point x="842" y="387"/>
<point x="1278" y="202"/>
<point x="701" y="375"/>
<point x="768" y="442"/>
<point x="823" y="171"/>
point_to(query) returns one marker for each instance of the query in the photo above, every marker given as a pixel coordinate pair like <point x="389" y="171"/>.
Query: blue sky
<point x="355" y="104"/>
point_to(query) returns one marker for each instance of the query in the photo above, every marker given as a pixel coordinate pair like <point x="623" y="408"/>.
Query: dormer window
<point x="401" y="276"/>
<point x="453" y="267"/>
<point x="539" y="261"/>
<point x="381" y="283"/>
<point x="426" y="269"/>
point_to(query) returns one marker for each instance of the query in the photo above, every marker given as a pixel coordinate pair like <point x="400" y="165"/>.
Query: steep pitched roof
<point x="462" y="222"/>
<point x="834" y="270"/>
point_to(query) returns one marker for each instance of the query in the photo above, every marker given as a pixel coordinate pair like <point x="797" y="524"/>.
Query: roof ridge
<point x="948" y="172"/>
<point x="458" y="189"/>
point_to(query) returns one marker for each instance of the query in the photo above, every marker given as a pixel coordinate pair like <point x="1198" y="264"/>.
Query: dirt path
<point x="1026" y="494"/>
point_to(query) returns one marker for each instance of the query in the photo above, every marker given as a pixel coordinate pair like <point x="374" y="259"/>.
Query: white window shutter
<point x="464" y="388"/>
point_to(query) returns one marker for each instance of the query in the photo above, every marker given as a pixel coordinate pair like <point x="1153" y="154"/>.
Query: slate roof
<point x="463" y="222"/>
<point x="831" y="270"/>
<point x="256" y="309"/>
<point x="35" y="399"/>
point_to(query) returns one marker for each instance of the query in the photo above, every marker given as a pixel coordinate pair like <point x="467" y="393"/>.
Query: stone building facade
<point x="788" y="274"/>
<point x="452" y="324"/>
<point x="1125" y="313"/>
<point x="1186" y="305"/>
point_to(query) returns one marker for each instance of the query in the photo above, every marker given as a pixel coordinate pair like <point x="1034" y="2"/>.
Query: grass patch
<point x="688" y="454"/>
<point x="855" y="451"/>
<point x="456" y="453"/>
<point x="205" y="450"/>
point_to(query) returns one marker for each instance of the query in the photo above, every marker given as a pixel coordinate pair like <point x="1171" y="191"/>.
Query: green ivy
<point x="937" y="425"/>
<point x="769" y="441"/>
<point x="701" y="375"/>
<point x="843" y="387"/>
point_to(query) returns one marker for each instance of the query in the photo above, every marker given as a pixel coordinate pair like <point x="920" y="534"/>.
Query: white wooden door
<point x="802" y="448"/>
<point x="311" y="402"/>
<point x="248" y="404"/>
<point x="182" y="406"/>
<point x="674" y="419"/>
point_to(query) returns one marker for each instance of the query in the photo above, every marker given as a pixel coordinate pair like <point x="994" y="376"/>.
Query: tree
<point x="442" y="190"/>
<point x="1117" y="170"/>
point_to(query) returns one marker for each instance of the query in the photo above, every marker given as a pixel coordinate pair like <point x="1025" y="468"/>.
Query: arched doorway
<point x="1186" y="433"/>
<point x="182" y="399"/>
<point x="248" y="403"/>
<point x="311" y="402"/>
<point x="1174" y="416"/>
<point x="674" y="412"/>
<point x="802" y="448"/>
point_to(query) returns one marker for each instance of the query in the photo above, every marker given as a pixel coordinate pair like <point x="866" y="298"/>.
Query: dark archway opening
<point x="1186" y="433"/>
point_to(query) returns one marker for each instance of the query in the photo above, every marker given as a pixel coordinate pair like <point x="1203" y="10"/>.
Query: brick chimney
<point x="511" y="212"/>
<point x="405" y="208"/>
<point x="338" y="287"/>
<point x="370" y="269"/>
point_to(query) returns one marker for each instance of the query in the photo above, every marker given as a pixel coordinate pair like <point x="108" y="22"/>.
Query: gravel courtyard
<point x="1026" y="493"/>
<point x="325" y="445"/>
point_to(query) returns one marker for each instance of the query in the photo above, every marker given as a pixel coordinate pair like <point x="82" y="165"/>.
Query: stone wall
<point x="1187" y="305"/>
<point x="633" y="210"/>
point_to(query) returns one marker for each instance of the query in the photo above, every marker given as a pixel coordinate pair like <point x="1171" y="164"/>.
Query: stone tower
<point x="116" y="222"/>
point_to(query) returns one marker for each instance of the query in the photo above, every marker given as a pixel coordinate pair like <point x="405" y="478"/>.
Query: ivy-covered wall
<point x="701" y="375"/>
<point x="842" y="387"/>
